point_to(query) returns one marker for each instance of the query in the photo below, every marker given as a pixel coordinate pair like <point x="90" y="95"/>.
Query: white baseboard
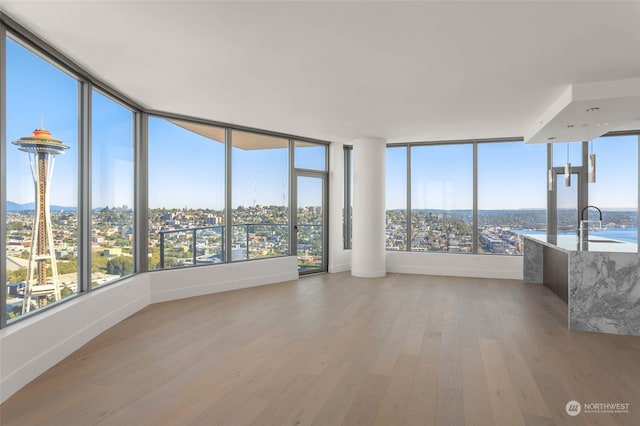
<point x="456" y="265"/>
<point x="218" y="286"/>
<point x="369" y="274"/>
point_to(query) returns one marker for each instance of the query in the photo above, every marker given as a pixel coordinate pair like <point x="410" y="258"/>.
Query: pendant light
<point x="591" y="171"/>
<point x="591" y="167"/>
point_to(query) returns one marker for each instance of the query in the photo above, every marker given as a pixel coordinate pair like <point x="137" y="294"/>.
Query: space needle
<point x="42" y="150"/>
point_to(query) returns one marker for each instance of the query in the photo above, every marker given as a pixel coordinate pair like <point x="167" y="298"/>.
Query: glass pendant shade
<point x="591" y="175"/>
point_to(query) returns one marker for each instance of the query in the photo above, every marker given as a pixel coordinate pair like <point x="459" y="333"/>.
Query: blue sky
<point x="112" y="153"/>
<point x="36" y="91"/>
<point x="187" y="170"/>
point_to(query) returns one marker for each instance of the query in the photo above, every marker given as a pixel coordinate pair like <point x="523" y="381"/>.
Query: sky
<point x="187" y="170"/>
<point x="36" y="93"/>
<point x="112" y="164"/>
<point x="510" y="176"/>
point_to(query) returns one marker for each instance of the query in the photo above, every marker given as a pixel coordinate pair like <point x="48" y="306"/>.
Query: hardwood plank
<point x="422" y="408"/>
<point x="394" y="404"/>
<point x="365" y="407"/>
<point x="501" y="392"/>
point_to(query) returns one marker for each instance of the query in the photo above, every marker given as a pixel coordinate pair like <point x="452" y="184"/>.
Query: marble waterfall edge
<point x="604" y="292"/>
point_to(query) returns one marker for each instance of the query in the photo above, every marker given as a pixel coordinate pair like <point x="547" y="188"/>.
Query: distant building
<point x="112" y="252"/>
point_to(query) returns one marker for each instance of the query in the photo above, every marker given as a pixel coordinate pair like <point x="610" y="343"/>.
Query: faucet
<point x="582" y="220"/>
<point x="585" y="209"/>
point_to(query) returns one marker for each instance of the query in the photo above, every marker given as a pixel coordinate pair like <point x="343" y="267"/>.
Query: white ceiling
<point x="403" y="71"/>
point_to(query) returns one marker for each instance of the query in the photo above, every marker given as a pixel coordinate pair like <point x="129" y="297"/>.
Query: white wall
<point x="180" y="283"/>
<point x="458" y="265"/>
<point x="30" y="347"/>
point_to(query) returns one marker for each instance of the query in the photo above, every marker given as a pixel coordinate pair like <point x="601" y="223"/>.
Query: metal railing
<point x="206" y="244"/>
<point x="184" y="244"/>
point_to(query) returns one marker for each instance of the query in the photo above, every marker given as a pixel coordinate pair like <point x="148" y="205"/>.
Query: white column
<point x="368" y="250"/>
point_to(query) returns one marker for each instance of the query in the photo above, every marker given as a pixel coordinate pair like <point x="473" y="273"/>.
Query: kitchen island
<point x="599" y="279"/>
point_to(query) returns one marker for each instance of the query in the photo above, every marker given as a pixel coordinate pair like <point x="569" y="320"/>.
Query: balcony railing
<point x="206" y="244"/>
<point x="191" y="246"/>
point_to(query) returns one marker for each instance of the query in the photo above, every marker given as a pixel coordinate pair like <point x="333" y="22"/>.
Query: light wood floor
<point x="332" y="349"/>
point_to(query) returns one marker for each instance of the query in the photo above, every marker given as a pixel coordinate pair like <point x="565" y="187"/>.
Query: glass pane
<point x="260" y="205"/>
<point x="567" y="199"/>
<point x="442" y="198"/>
<point x="347" y="201"/>
<point x="42" y="217"/>
<point x="311" y="156"/>
<point x="396" y="193"/>
<point x="564" y="150"/>
<point x="310" y="221"/>
<point x="615" y="190"/>
<point x="177" y="248"/>
<point x="112" y="190"/>
<point x="512" y="195"/>
<point x="186" y="193"/>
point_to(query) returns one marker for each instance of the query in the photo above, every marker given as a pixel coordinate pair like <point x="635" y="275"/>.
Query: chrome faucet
<point x="583" y="221"/>
<point x="585" y="209"/>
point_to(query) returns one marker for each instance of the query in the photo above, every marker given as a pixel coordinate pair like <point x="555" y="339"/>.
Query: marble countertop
<point x="569" y="243"/>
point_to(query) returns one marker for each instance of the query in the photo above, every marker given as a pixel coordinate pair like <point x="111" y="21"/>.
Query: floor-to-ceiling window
<point x="42" y="181"/>
<point x="347" y="200"/>
<point x="442" y="198"/>
<point x="567" y="157"/>
<point x="493" y="190"/>
<point x="260" y="195"/>
<point x="396" y="202"/>
<point x="186" y="193"/>
<point x="112" y="192"/>
<point x="512" y="195"/>
<point x="615" y="190"/>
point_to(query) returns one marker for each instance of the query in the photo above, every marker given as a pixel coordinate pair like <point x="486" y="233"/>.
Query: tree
<point x="154" y="259"/>
<point x="65" y="267"/>
<point x="17" y="275"/>
<point x="98" y="262"/>
<point x="15" y="226"/>
<point x="65" y="292"/>
<point x="121" y="265"/>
